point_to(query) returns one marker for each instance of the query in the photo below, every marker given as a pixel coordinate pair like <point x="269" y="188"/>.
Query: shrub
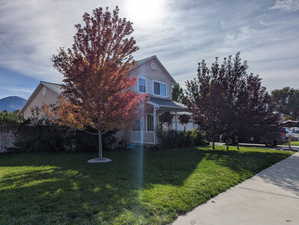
<point x="44" y="138"/>
<point x="166" y="117"/>
<point x="184" y="120"/>
<point x="198" y="138"/>
<point x="178" y="139"/>
<point x="10" y="118"/>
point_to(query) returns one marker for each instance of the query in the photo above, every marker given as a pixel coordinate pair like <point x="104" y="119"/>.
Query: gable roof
<point x="148" y="59"/>
<point x="56" y="88"/>
<point x="142" y="61"/>
<point x="166" y="103"/>
<point x="52" y="86"/>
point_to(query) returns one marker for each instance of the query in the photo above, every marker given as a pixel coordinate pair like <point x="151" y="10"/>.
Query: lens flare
<point x="145" y="12"/>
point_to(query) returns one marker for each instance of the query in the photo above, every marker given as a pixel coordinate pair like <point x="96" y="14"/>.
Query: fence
<point x="7" y="136"/>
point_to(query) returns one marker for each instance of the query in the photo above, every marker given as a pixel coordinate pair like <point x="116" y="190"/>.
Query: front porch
<point x="145" y="129"/>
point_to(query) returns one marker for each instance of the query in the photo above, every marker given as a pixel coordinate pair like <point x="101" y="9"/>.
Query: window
<point x="141" y="84"/>
<point x="136" y="125"/>
<point x="163" y="89"/>
<point x="160" y="89"/>
<point x="150" y="122"/>
<point x="157" y="88"/>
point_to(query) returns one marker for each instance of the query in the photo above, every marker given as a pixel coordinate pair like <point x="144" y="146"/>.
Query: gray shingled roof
<point x="142" y="61"/>
<point x="145" y="60"/>
<point x="53" y="86"/>
<point x="166" y="103"/>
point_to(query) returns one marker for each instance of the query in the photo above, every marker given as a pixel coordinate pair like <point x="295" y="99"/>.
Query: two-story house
<point x="152" y="79"/>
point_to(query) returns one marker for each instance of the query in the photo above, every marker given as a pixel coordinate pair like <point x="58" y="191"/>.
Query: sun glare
<point x="145" y="12"/>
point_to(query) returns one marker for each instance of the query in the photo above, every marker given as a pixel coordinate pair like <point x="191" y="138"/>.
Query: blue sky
<point x="181" y="33"/>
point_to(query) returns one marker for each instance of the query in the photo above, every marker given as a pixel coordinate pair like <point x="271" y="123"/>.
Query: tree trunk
<point x="213" y="144"/>
<point x="289" y="142"/>
<point x="237" y="140"/>
<point x="100" y="145"/>
<point x="227" y="146"/>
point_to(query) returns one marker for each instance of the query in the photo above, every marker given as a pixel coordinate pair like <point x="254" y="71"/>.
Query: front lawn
<point x="295" y="143"/>
<point x="61" y="188"/>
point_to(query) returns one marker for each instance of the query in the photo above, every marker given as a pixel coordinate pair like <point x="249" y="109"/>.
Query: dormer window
<point x="141" y="85"/>
<point x="160" y="89"/>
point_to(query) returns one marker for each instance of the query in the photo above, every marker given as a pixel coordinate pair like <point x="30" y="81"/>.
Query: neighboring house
<point x="152" y="79"/>
<point x="45" y="93"/>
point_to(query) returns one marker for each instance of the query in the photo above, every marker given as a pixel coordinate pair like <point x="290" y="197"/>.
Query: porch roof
<point x="167" y="104"/>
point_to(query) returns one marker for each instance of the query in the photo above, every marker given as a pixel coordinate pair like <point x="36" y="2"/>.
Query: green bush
<point x="41" y="138"/>
<point x="10" y="118"/>
<point x="178" y="139"/>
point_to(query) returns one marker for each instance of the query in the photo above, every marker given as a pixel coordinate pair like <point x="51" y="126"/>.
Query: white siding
<point x="149" y="86"/>
<point x="44" y="96"/>
<point x="151" y="74"/>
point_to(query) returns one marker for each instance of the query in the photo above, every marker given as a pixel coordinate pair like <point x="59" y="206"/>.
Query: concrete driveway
<point x="269" y="198"/>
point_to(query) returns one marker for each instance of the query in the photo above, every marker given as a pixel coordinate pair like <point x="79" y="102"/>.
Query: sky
<point x="180" y="32"/>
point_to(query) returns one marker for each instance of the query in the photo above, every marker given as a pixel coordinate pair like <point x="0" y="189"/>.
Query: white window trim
<point x="160" y="82"/>
<point x="144" y="78"/>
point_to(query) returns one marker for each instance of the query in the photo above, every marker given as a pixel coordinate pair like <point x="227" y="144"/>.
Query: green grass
<point x="295" y="143"/>
<point x="61" y="188"/>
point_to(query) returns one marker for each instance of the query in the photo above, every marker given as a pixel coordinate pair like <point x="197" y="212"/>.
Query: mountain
<point x="12" y="103"/>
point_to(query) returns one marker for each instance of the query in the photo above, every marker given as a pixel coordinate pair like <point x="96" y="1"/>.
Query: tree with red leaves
<point x="226" y="100"/>
<point x="97" y="87"/>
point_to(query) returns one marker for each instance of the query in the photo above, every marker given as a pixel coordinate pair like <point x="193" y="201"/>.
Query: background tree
<point x="286" y="101"/>
<point x="229" y="101"/>
<point x="177" y="93"/>
<point x="204" y="99"/>
<point x="96" y="86"/>
<point x="255" y="112"/>
<point x="10" y="117"/>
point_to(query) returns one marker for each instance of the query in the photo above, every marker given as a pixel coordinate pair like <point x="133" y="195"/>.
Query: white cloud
<point x="189" y="31"/>
<point x="15" y="91"/>
<point x="33" y="30"/>
<point x="288" y="5"/>
<point x="281" y="78"/>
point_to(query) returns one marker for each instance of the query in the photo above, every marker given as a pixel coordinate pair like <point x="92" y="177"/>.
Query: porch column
<point x="155" y="124"/>
<point x="142" y="124"/>
<point x="176" y="121"/>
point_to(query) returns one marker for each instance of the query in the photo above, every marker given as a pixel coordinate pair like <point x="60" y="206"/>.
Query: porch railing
<point x="147" y="138"/>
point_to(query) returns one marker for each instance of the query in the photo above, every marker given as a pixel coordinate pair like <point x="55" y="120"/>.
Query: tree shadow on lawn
<point x="53" y="196"/>
<point x="64" y="189"/>
<point x="253" y="161"/>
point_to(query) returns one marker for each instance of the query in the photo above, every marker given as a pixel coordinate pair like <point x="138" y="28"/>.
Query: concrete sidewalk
<point x="286" y="147"/>
<point x="269" y="198"/>
<point x="278" y="147"/>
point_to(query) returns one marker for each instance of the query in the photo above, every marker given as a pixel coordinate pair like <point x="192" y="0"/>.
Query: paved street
<point x="269" y="198"/>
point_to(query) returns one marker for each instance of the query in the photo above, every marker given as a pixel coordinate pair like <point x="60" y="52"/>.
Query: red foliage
<point x="97" y="88"/>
